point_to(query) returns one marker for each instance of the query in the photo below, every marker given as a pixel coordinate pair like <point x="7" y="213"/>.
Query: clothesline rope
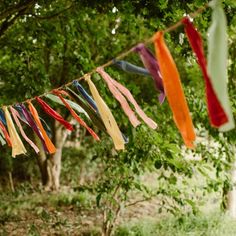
<point x="120" y="56"/>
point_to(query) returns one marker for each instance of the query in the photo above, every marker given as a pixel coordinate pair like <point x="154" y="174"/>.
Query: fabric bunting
<point x="174" y="91"/>
<point x="117" y="94"/>
<point x="2" y="140"/>
<point x="17" y="145"/>
<point x="59" y="93"/>
<point x="2" y="117"/>
<point x="117" y="90"/>
<point x="85" y="95"/>
<point x="54" y="114"/>
<point x="128" y="67"/>
<point x="107" y="117"/>
<point x="50" y="146"/>
<point x="75" y="106"/>
<point x="215" y="110"/>
<point x="217" y="60"/>
<point x="94" y="116"/>
<point x="5" y="133"/>
<point x="152" y="66"/>
<point x="16" y="115"/>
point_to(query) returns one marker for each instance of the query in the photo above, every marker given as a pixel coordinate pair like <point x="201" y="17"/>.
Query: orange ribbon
<point x="50" y="146"/>
<point x="174" y="91"/>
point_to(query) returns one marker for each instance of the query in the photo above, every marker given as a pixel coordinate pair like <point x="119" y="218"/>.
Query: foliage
<point x="57" y="41"/>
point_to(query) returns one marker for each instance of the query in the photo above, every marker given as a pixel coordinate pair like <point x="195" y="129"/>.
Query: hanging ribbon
<point x="17" y="145"/>
<point x="27" y="118"/>
<point x="128" y="67"/>
<point x="116" y="93"/>
<point x="107" y="117"/>
<point x="6" y="135"/>
<point x="85" y="95"/>
<point x="2" y="117"/>
<point x="16" y="115"/>
<point x="123" y="90"/>
<point x="174" y="91"/>
<point x="215" y="110"/>
<point x="54" y="114"/>
<point x="217" y="60"/>
<point x="92" y="114"/>
<point x="72" y="104"/>
<point x="2" y="140"/>
<point x="50" y="146"/>
<point x="59" y="93"/>
<point x="150" y="62"/>
<point x="152" y="124"/>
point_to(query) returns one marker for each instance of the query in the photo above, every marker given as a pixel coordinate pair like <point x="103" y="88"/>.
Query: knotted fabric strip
<point x="217" y="60"/>
<point x="54" y="114"/>
<point x="117" y="94"/>
<point x="107" y="117"/>
<point x="174" y="90"/>
<point x="16" y="115"/>
<point x="17" y="145"/>
<point x="150" y="62"/>
<point x="50" y="146"/>
<point x="59" y="93"/>
<point x="215" y="110"/>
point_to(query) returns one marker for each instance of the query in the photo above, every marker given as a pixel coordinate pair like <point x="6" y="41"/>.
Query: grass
<point x="216" y="224"/>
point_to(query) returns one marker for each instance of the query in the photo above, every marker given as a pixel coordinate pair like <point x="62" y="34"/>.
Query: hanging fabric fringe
<point x="123" y="90"/>
<point x="217" y="60"/>
<point x="117" y="94"/>
<point x="174" y="91"/>
<point x="17" y="145"/>
<point x="16" y="115"/>
<point x="215" y="110"/>
<point x="50" y="146"/>
<point x="54" y="114"/>
<point x="59" y="93"/>
<point x="150" y="62"/>
<point x="107" y="117"/>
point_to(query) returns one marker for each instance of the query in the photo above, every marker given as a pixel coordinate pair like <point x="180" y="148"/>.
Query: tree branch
<point x="21" y="6"/>
<point x="9" y="16"/>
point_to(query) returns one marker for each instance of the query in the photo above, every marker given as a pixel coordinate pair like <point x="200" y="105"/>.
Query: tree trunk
<point x="50" y="167"/>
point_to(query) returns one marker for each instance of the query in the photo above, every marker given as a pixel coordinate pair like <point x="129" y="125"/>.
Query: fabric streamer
<point x="2" y="117"/>
<point x="114" y="85"/>
<point x="54" y="114"/>
<point x="215" y="110"/>
<point x="17" y="145"/>
<point x="50" y="146"/>
<point x="2" y="140"/>
<point x="26" y="117"/>
<point x="107" y="117"/>
<point x="59" y="93"/>
<point x="128" y="67"/>
<point x="117" y="94"/>
<point x="150" y="62"/>
<point x="72" y="104"/>
<point x="152" y="124"/>
<point x="217" y="60"/>
<point x="6" y="135"/>
<point x="85" y="95"/>
<point x="16" y="115"/>
<point x="94" y="116"/>
<point x="174" y="91"/>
